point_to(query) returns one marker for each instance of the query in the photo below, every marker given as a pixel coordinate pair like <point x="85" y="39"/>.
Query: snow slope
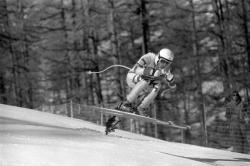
<point x="33" y="138"/>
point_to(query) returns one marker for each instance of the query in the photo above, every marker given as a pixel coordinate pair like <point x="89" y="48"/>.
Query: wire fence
<point x="89" y="113"/>
<point x="234" y="136"/>
<point x="229" y="133"/>
<point x="221" y="133"/>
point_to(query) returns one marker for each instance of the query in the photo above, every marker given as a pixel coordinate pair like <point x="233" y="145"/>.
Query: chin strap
<point x="112" y="66"/>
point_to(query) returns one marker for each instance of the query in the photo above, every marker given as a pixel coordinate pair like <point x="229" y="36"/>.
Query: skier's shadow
<point x="211" y="161"/>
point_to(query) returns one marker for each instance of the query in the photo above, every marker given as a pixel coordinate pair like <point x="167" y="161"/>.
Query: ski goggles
<point x="164" y="61"/>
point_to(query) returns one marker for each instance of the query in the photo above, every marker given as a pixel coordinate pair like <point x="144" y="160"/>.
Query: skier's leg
<point x="148" y="99"/>
<point x="134" y="93"/>
<point x="137" y="84"/>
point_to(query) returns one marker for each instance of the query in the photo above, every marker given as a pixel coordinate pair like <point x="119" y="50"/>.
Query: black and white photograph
<point x="124" y="82"/>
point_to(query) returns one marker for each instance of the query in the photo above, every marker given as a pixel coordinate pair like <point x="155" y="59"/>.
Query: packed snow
<point x="33" y="138"/>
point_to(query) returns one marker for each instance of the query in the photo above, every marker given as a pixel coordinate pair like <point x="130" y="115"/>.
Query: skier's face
<point x="234" y="96"/>
<point x="163" y="63"/>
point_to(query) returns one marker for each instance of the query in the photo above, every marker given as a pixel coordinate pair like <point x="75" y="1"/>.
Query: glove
<point x="150" y="74"/>
<point x="147" y="78"/>
<point x="149" y="71"/>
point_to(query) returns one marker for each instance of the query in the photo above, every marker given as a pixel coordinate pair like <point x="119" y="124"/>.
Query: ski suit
<point x="135" y="81"/>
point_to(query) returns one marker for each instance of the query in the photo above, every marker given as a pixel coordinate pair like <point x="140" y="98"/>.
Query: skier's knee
<point x="132" y="79"/>
<point x="157" y="88"/>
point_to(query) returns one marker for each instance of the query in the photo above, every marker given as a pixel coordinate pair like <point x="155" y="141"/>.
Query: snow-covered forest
<point x="47" y="48"/>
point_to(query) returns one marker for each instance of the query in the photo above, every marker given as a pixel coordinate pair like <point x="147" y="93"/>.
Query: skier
<point x="148" y="71"/>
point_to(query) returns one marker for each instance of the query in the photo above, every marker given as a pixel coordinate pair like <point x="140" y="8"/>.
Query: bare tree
<point x="195" y="47"/>
<point x="222" y="39"/>
<point x="93" y="51"/>
<point x="115" y="49"/>
<point x="145" y="26"/>
<point x="245" y="18"/>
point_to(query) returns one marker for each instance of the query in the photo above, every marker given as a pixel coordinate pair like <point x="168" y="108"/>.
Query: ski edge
<point x="139" y="117"/>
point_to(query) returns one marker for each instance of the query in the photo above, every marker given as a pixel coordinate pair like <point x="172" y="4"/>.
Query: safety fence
<point x="89" y="113"/>
<point x="221" y="133"/>
<point x="233" y="136"/>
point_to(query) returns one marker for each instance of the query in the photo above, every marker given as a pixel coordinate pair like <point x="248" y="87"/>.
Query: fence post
<point x="182" y="136"/>
<point x="43" y="108"/>
<point x="79" y="109"/>
<point x="155" y="124"/>
<point x="66" y="109"/>
<point x="101" y="119"/>
<point x="131" y="125"/>
<point x="71" y="109"/>
<point x="205" y="126"/>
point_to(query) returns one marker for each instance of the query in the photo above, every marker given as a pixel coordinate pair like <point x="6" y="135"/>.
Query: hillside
<point x="31" y="138"/>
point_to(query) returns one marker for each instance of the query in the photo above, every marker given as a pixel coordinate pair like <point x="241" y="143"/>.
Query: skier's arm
<point x="138" y="69"/>
<point x="172" y="84"/>
<point x="141" y="66"/>
<point x="170" y="79"/>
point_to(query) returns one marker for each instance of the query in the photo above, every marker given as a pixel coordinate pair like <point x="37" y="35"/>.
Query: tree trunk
<point x="76" y="75"/>
<point x="186" y="99"/>
<point x="3" y="21"/>
<point x="198" y="71"/>
<point x="228" y="44"/>
<point x="245" y="29"/>
<point x="14" y="82"/>
<point x="29" y="93"/>
<point x="92" y="51"/>
<point x="68" y="79"/>
<point x="115" y="52"/>
<point x="3" y="98"/>
<point x="145" y="27"/>
<point x="247" y="42"/>
<point x="224" y="60"/>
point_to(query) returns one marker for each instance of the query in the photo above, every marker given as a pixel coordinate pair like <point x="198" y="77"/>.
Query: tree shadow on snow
<point x="210" y="160"/>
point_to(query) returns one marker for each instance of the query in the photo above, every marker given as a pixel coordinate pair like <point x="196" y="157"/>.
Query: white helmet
<point x="166" y="54"/>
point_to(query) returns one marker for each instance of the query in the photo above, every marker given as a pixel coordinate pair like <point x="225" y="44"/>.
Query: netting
<point x="221" y="132"/>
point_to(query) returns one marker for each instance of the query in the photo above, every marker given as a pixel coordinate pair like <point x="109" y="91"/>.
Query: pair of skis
<point x="112" y="123"/>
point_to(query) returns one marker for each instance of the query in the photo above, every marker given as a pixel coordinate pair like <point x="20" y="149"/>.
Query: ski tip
<point x="188" y="127"/>
<point x="170" y="123"/>
<point x="89" y="72"/>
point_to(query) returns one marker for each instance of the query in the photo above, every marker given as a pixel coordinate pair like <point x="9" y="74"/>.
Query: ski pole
<point x="112" y="66"/>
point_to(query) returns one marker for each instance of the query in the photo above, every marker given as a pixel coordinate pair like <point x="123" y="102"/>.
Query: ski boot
<point x="143" y="112"/>
<point x="126" y="107"/>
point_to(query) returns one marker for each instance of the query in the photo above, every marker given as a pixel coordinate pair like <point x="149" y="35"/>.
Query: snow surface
<point x="33" y="138"/>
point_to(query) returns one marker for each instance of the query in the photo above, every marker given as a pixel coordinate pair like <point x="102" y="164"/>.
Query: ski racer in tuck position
<point x="148" y="71"/>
